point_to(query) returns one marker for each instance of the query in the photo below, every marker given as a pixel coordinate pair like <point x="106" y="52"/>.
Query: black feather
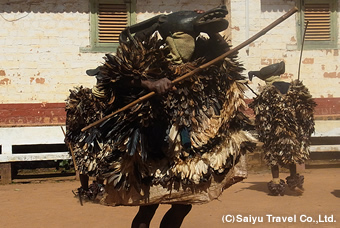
<point x="133" y="141"/>
<point x="137" y="184"/>
<point x="144" y="153"/>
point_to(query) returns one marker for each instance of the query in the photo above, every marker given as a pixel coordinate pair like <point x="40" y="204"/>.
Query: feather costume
<point x="284" y="123"/>
<point x="182" y="147"/>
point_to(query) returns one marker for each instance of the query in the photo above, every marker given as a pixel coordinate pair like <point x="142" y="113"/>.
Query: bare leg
<point x="84" y="181"/>
<point x="292" y="169"/>
<point x="175" y="216"/>
<point x="144" y="216"/>
<point x="275" y="171"/>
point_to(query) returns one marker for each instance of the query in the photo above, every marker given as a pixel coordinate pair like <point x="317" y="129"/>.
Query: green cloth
<point x="182" y="46"/>
<point x="272" y="79"/>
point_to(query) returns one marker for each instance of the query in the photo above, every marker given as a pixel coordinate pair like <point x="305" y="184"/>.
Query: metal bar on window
<point x="319" y="17"/>
<point x="112" y="20"/>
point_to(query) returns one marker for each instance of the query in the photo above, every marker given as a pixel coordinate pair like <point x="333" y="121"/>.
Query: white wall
<point x="40" y="42"/>
<point x="320" y="69"/>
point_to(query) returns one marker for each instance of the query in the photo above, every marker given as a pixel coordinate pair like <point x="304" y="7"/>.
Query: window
<point x="322" y="31"/>
<point x="108" y="19"/>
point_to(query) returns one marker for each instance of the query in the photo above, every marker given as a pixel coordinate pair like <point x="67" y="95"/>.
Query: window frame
<point x="317" y="45"/>
<point x="95" y="46"/>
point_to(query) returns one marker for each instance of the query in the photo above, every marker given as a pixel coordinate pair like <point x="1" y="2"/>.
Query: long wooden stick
<point x="303" y="41"/>
<point x="200" y="68"/>
<point x="72" y="153"/>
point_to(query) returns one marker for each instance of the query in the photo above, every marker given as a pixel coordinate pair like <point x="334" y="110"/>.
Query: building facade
<point x="48" y="45"/>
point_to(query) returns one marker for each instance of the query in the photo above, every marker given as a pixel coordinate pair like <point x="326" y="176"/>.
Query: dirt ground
<point x="52" y="204"/>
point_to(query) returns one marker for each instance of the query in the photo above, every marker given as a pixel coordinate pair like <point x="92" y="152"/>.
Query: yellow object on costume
<point x="182" y="46"/>
<point x="272" y="79"/>
<point x="276" y="180"/>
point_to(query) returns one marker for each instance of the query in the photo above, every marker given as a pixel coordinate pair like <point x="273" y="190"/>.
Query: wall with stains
<point x="40" y="60"/>
<point x="41" y="56"/>
<point x="40" y="40"/>
<point x="320" y="69"/>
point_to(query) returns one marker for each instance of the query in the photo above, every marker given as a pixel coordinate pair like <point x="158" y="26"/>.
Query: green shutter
<point x="322" y="31"/>
<point x="319" y="22"/>
<point x="112" y="20"/>
<point x="108" y="19"/>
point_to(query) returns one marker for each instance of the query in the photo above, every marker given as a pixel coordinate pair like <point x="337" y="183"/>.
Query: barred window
<point x="112" y="19"/>
<point x="108" y="20"/>
<point x="322" y="29"/>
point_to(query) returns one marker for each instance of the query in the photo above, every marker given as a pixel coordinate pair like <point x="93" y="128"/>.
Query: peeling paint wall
<point x="41" y="40"/>
<point x="40" y="43"/>
<point x="40" y="59"/>
<point x="320" y="69"/>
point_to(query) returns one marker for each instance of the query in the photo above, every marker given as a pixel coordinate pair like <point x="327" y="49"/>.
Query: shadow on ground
<point x="336" y="193"/>
<point x="262" y="187"/>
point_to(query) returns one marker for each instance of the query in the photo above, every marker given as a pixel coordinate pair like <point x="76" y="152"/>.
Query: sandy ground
<point x="52" y="204"/>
